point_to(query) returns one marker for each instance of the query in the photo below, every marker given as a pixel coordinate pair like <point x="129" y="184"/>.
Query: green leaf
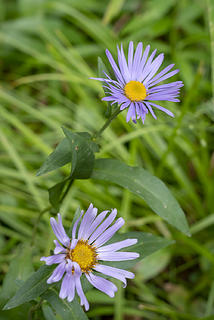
<point x="19" y="270"/>
<point x="57" y="159"/>
<point x="55" y="193"/>
<point x="93" y="145"/>
<point x="146" y="245"/>
<point x="67" y="310"/>
<point x="154" y="264"/>
<point x="63" y="154"/>
<point x="113" y="9"/>
<point x="146" y="186"/>
<point x="82" y="155"/>
<point x="48" y="312"/>
<point x="32" y="288"/>
<point x="101" y="68"/>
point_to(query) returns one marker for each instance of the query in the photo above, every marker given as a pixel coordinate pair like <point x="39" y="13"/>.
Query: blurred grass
<point x="48" y="51"/>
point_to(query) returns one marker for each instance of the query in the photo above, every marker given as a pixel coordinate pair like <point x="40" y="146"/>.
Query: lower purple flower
<point x="81" y="254"/>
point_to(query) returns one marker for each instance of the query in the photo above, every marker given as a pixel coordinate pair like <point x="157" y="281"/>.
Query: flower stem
<point x="107" y="123"/>
<point x="66" y="191"/>
<point x="41" y="213"/>
<point x="37" y="224"/>
<point x="34" y="308"/>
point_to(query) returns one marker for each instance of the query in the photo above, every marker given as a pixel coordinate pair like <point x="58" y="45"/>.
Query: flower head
<point x="135" y="85"/>
<point x="83" y="252"/>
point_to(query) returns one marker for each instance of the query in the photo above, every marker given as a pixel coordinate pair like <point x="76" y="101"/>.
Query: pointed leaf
<point x="66" y="310"/>
<point x="63" y="154"/>
<point x="48" y="312"/>
<point x="19" y="270"/>
<point x="82" y="155"/>
<point x="55" y="194"/>
<point x="57" y="159"/>
<point x="101" y="68"/>
<point x="32" y="288"/>
<point x="146" y="186"/>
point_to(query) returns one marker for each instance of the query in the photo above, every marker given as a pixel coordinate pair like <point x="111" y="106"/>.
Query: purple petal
<point x="163" y="96"/>
<point x="143" y="112"/>
<point x="109" y="98"/>
<point x="87" y="231"/>
<point x="71" y="290"/>
<point x="57" y="273"/>
<point x="59" y="248"/>
<point x="114" y="67"/>
<point x="124" y="105"/>
<point x="87" y="221"/>
<point x="130" y="56"/>
<point x="68" y="283"/>
<point x="77" y="269"/>
<point x="166" y="76"/>
<point x="73" y="244"/>
<point x="65" y="286"/>
<point x="131" y="112"/>
<point x="57" y="258"/>
<point x="118" y="245"/>
<point x="102" y="284"/>
<point x="103" y="226"/>
<point x="137" y="109"/>
<point x="117" y="256"/>
<point x="73" y="268"/>
<point x="154" y="68"/>
<point x="166" y="86"/>
<point x="162" y="109"/>
<point x="75" y="225"/>
<point x="108" y="234"/>
<point x="103" y="79"/>
<point x="150" y="109"/>
<point x="119" y="274"/>
<point x="117" y="84"/>
<point x="107" y="270"/>
<point x="160" y="74"/>
<point x="59" y="230"/>
<point x="142" y="63"/>
<point x="147" y="67"/>
<point x="80" y="293"/>
<point x="123" y="64"/>
<point x="96" y="222"/>
<point x="137" y="59"/>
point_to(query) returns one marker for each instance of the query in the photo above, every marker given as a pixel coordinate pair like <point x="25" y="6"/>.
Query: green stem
<point x="37" y="224"/>
<point x="46" y="210"/>
<point x="34" y="308"/>
<point x="66" y="191"/>
<point x="118" y="306"/>
<point x="107" y="123"/>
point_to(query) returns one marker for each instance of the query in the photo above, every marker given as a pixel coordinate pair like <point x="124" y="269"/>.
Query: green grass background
<point x="48" y="50"/>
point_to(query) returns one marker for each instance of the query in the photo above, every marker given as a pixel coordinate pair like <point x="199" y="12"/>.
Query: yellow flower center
<point x="135" y="91"/>
<point x="84" y="254"/>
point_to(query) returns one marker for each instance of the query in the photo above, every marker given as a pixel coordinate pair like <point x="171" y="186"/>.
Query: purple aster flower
<point x="136" y="82"/>
<point x="83" y="252"/>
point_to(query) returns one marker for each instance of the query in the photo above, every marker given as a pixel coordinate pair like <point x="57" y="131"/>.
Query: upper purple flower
<point x="81" y="254"/>
<point x="136" y="82"/>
